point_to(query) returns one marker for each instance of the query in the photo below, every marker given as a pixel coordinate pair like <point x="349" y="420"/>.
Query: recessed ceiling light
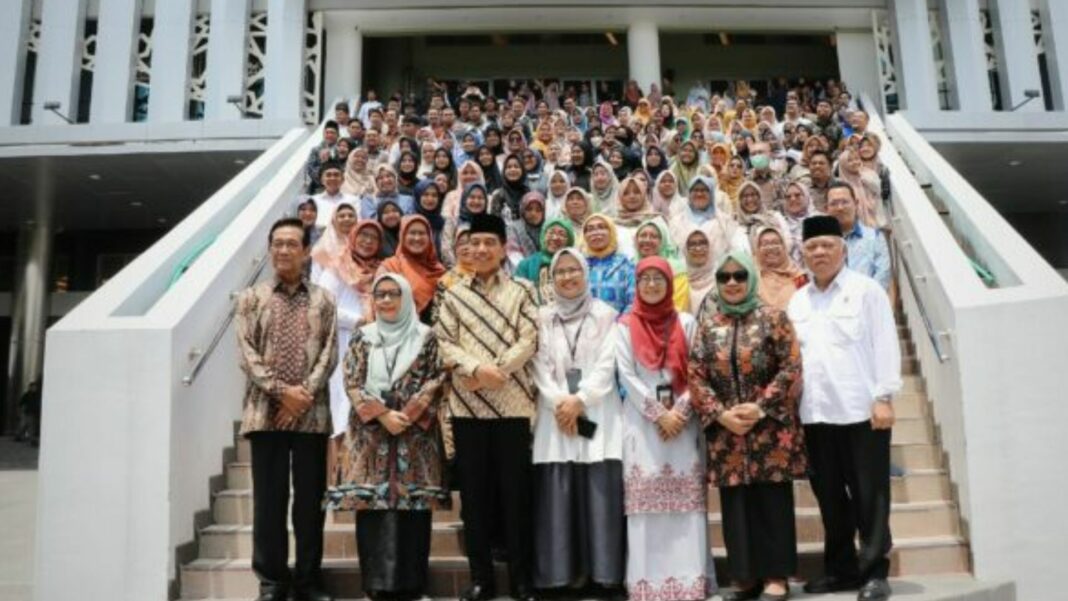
<point x="239" y="161"/>
<point x="136" y="203"/>
<point x="1015" y="163"/>
<point x="94" y="176"/>
<point x="161" y="220"/>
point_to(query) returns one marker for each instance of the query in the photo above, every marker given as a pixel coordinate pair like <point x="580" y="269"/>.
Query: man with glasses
<point x="287" y="336"/>
<point x="487" y="334"/>
<point x="867" y="249"/>
<point x="852" y="366"/>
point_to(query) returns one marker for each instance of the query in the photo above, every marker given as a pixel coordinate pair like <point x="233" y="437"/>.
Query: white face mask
<point x="596" y="141"/>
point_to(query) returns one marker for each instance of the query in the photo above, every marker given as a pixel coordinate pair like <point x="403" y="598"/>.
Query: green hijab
<point x="530" y="267"/>
<point x="751" y="301"/>
<point x="668" y="250"/>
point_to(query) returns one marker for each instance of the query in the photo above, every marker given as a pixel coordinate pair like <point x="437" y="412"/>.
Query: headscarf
<point x="491" y="174"/>
<point x="554" y="205"/>
<point x="570" y="309"/>
<point x="605" y="199"/>
<point x="613" y="237"/>
<point x="701" y="216"/>
<point x="391" y="239"/>
<point x="662" y="203"/>
<point x="511" y="193"/>
<point x="358" y="272"/>
<point x="331" y="244"/>
<point x="422" y="271"/>
<point x="591" y="208"/>
<point x="685" y="173"/>
<point x="627" y="218"/>
<point x="402" y="340"/>
<point x="793" y="222"/>
<point x="358" y="183"/>
<point x="654" y="172"/>
<point x="656" y="335"/>
<point x="465" y="213"/>
<point x="527" y="236"/>
<point x="668" y="250"/>
<point x="751" y="300"/>
<point x="778" y="284"/>
<point x="434" y="217"/>
<point x="532" y="265"/>
<point x="761" y="216"/>
<point x="720" y="148"/>
<point x="703" y="278"/>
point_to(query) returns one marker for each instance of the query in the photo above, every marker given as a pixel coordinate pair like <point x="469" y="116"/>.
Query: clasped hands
<point x="568" y="409"/>
<point x="486" y="376"/>
<point x="741" y="418"/>
<point x="293" y="404"/>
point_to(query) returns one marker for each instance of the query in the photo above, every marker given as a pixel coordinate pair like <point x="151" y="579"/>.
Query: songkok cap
<point x="820" y="225"/>
<point x="484" y="223"/>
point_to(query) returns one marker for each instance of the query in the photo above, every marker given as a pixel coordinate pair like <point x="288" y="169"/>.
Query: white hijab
<point x="399" y="342"/>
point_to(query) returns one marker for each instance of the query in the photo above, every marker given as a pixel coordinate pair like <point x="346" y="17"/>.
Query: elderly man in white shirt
<point x="852" y="369"/>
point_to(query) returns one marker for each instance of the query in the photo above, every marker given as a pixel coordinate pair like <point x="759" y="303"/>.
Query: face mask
<point x="596" y="140"/>
<point x="760" y="161"/>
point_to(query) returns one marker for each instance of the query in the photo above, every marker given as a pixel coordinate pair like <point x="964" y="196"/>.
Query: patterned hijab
<point x="397" y="342"/>
<point x="356" y="270"/>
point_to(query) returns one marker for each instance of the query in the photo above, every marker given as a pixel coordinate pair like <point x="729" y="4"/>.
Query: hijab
<point x="760" y="216"/>
<point x="554" y="205"/>
<point x="613" y="237"/>
<point x="662" y="203"/>
<point x="422" y="271"/>
<point x="358" y="271"/>
<point x="390" y="240"/>
<point x="511" y="192"/>
<point x="570" y="309"/>
<point x="668" y="250"/>
<point x="627" y="218"/>
<point x="751" y="300"/>
<point x="358" y="182"/>
<point x="656" y="335"/>
<point x="654" y="172"/>
<point x="590" y="207"/>
<point x="433" y="217"/>
<point x="491" y="174"/>
<point x="331" y="244"/>
<point x="529" y="237"/>
<point x="465" y="214"/>
<point x="685" y="173"/>
<point x="703" y="215"/>
<point x="606" y="198"/>
<point x="398" y="342"/>
<point x="703" y="278"/>
<point x="777" y="284"/>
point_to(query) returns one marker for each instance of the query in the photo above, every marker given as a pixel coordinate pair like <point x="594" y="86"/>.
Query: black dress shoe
<point x="830" y="584"/>
<point x="272" y="596"/>
<point x="311" y="594"/>
<point x="524" y="593"/>
<point x="478" y="592"/>
<point x="876" y="589"/>
<point x="744" y="594"/>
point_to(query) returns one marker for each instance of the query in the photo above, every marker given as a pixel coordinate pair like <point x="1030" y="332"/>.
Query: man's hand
<point x="882" y="415"/>
<point x="737" y="422"/>
<point x="295" y="400"/>
<point x="468" y="383"/>
<point x="395" y="422"/>
<point x="490" y="376"/>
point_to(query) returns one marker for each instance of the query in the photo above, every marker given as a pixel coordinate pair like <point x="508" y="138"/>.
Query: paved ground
<point x="18" y="509"/>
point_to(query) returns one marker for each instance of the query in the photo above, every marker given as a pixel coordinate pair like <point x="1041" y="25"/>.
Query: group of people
<point x="595" y="316"/>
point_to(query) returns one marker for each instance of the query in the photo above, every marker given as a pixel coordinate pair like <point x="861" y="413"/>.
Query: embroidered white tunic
<point x="350" y="314"/>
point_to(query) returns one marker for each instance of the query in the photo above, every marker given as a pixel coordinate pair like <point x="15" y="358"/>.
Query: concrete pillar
<point x="1055" y="38"/>
<point x="172" y="37"/>
<point x="118" y="27"/>
<point x="962" y="43"/>
<point x="919" y="86"/>
<point x="1017" y="57"/>
<point x="344" y="62"/>
<point x="858" y="64"/>
<point x="283" y="84"/>
<point x="59" y="60"/>
<point x="643" y="53"/>
<point x="227" y="56"/>
<point x="13" y="30"/>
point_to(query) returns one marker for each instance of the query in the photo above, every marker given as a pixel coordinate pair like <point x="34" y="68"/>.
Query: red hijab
<point x="422" y="271"/>
<point x="656" y="333"/>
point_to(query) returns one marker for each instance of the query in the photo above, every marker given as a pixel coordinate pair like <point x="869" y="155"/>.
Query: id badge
<point x="665" y="395"/>
<point x="574" y="378"/>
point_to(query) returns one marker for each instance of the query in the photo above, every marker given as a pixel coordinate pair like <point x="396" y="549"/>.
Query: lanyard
<point x="390" y="363"/>
<point x="572" y="347"/>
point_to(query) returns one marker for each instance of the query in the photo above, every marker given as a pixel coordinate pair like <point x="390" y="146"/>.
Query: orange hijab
<point x="422" y="271"/>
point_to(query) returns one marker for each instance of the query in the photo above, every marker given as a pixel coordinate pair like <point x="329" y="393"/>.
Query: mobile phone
<point x="586" y="427"/>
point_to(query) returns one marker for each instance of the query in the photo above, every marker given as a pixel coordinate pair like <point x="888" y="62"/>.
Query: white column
<point x="285" y="58"/>
<point x="118" y="26"/>
<point x="13" y="29"/>
<point x="344" y="62"/>
<point x="915" y="57"/>
<point x="858" y="66"/>
<point x="1055" y="37"/>
<point x="1017" y="57"/>
<point x="227" y="55"/>
<point x="643" y="53"/>
<point x="962" y="41"/>
<point x="172" y="36"/>
<point x="59" y="59"/>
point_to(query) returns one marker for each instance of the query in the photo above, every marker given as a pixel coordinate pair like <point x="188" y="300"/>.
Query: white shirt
<point x="849" y="348"/>
<point x="326" y="204"/>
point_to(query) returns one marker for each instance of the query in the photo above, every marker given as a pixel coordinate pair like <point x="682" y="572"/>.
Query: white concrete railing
<point x="128" y="450"/>
<point x="999" y="399"/>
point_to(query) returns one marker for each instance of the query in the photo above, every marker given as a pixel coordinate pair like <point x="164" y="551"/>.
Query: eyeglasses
<point x="697" y="243"/>
<point x="724" y="277"/>
<point x="367" y="236"/>
<point x="652" y="280"/>
<point x="381" y="295"/>
<point x="567" y="273"/>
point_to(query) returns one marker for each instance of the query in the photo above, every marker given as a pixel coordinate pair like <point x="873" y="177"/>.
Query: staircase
<point x="924" y="520"/>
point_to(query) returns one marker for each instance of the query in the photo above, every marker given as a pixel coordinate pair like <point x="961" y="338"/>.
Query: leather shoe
<point x="830" y="584"/>
<point x="311" y="594"/>
<point x="272" y="596"/>
<point x="876" y="589"/>
<point x="478" y="592"/>
<point x="744" y="594"/>
<point x="524" y="593"/>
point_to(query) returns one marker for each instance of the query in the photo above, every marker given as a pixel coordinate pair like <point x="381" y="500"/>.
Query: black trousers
<point x="394" y="550"/>
<point x="494" y="459"/>
<point x="759" y="530"/>
<point x="850" y="467"/>
<point x="272" y="454"/>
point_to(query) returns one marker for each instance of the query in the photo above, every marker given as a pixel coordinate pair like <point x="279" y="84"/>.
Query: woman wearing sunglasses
<point x="745" y="375"/>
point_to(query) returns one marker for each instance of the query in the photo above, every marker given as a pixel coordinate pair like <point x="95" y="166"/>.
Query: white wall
<point x="858" y="65"/>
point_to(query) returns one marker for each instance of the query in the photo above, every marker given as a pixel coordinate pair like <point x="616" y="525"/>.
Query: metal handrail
<point x="200" y="356"/>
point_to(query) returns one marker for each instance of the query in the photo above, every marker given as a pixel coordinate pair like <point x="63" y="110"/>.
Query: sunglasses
<point x="724" y="277"/>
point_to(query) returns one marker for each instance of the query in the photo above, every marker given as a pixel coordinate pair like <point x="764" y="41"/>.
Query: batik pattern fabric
<point x="285" y="339"/>
<point x="377" y="470"/>
<point x="753" y="358"/>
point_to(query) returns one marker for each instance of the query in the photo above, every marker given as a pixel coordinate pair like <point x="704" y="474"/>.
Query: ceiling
<point x="123" y="191"/>
<point x="1026" y="177"/>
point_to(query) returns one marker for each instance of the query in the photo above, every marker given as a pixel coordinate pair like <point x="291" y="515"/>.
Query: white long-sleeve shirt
<point x="849" y="348"/>
<point x="595" y="356"/>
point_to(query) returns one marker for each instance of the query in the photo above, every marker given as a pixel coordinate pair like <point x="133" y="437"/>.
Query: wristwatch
<point x="886" y="398"/>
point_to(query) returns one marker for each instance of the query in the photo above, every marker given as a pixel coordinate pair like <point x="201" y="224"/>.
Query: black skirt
<point x="579" y="524"/>
<point x="394" y="550"/>
<point x="759" y="530"/>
